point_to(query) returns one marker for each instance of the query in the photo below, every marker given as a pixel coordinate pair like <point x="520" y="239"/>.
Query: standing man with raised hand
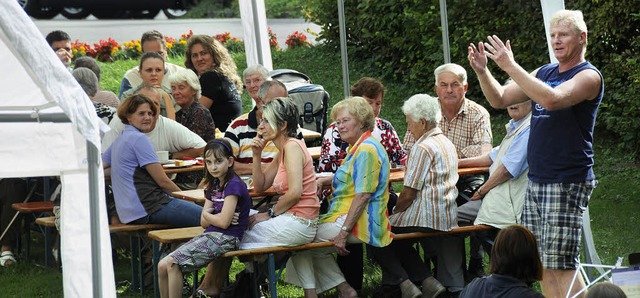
<point x="60" y="42"/>
<point x="566" y="96"/>
<point x="151" y="41"/>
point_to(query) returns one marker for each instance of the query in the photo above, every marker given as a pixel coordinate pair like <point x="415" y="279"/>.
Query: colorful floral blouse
<point x="334" y="149"/>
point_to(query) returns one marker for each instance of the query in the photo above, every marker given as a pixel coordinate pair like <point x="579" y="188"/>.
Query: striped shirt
<point x="240" y="133"/>
<point x="365" y="169"/>
<point x="468" y="131"/>
<point x="432" y="170"/>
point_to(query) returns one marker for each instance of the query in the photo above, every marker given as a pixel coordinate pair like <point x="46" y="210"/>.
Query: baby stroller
<point x="312" y="100"/>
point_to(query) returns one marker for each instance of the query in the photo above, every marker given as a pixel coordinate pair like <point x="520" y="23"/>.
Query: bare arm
<point x="499" y="176"/>
<point x="222" y="219"/>
<point x="405" y="199"/>
<point x="205" y="101"/>
<point x="498" y="96"/>
<point x="478" y="161"/>
<point x="168" y="105"/>
<point x="294" y="162"/>
<point x="355" y="211"/>
<point x="158" y="175"/>
<point x="262" y="179"/>
<point x="191" y="152"/>
<point x="583" y="86"/>
<point x="207" y="208"/>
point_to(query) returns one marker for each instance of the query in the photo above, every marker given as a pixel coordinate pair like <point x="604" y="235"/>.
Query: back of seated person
<point x="605" y="290"/>
<point x="515" y="265"/>
<point x="89" y="83"/>
<point x="102" y="96"/>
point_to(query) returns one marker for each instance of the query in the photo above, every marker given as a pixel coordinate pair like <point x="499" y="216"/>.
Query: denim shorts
<point x="553" y="213"/>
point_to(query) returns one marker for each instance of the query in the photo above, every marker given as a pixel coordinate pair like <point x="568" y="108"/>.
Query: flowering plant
<point x="130" y="50"/>
<point x="231" y="43"/>
<point x="80" y="49"/>
<point x="177" y="48"/>
<point x="109" y="50"/>
<point x="273" y="40"/>
<point x="105" y="50"/>
<point x="297" y="39"/>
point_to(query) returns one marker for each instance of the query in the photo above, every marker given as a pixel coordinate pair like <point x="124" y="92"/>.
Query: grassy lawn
<point x="613" y="207"/>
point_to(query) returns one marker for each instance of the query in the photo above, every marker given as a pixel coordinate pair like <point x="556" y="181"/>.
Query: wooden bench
<point x="185" y="234"/>
<point x="33" y="207"/>
<point x="136" y="235"/>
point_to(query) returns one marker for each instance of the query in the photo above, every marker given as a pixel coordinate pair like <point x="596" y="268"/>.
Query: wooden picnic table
<point x="308" y="134"/>
<point x="396" y="175"/>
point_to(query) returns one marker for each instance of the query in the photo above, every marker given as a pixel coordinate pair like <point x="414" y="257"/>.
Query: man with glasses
<point x="151" y="41"/>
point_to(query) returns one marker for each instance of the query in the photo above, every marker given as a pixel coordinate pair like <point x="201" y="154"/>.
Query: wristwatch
<point x="344" y="228"/>
<point x="271" y="213"/>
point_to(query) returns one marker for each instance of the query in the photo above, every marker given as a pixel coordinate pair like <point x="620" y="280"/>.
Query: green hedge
<point x="402" y="40"/>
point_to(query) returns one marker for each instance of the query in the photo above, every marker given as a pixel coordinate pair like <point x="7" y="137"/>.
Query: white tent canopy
<point x="48" y="127"/>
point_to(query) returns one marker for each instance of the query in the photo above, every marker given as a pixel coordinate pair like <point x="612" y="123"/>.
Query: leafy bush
<point x="403" y="39"/>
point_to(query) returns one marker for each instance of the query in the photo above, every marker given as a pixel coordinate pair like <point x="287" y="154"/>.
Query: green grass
<point x="613" y="206"/>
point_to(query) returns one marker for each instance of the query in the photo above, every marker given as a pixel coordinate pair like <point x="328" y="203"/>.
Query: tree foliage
<point x="402" y="39"/>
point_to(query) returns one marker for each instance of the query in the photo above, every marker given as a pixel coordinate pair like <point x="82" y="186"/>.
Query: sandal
<point x="7" y="259"/>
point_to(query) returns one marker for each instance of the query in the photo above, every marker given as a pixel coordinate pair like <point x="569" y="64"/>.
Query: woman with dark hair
<point x="151" y="71"/>
<point x="515" y="265"/>
<point x="220" y="83"/>
<point x="141" y="189"/>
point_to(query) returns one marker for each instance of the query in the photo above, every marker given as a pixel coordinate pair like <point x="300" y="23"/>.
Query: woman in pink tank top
<point x="293" y="219"/>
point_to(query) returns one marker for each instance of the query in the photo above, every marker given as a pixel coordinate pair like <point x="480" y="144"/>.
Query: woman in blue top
<point x="225" y="195"/>
<point x="141" y="189"/>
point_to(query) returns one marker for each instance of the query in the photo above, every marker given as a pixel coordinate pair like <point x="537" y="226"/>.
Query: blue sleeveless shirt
<point x="560" y="148"/>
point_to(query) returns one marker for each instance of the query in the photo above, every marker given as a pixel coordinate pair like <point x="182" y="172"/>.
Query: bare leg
<point x="217" y="272"/>
<point x="556" y="283"/>
<point x="174" y="276"/>
<point x="310" y="293"/>
<point x="163" y="278"/>
<point x="346" y="291"/>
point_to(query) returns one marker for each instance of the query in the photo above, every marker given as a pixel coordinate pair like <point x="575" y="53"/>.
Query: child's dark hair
<point x="220" y="148"/>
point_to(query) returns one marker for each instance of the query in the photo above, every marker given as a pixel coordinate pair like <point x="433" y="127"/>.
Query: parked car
<point x="106" y="9"/>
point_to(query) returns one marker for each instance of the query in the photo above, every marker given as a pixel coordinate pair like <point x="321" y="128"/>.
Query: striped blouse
<point x="432" y="169"/>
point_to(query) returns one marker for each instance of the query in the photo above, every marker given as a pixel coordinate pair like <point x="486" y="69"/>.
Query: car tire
<point x="174" y="13"/>
<point x="145" y="14"/>
<point x="75" y="13"/>
<point x="33" y="9"/>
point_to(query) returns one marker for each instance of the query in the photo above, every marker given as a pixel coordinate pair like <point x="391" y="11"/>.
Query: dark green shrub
<point x="402" y="40"/>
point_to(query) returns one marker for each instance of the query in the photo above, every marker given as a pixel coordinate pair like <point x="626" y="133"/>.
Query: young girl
<point x="225" y="195"/>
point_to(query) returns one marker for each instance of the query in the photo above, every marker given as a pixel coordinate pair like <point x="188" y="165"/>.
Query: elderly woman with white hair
<point x="186" y="90"/>
<point x="427" y="202"/>
<point x="253" y="77"/>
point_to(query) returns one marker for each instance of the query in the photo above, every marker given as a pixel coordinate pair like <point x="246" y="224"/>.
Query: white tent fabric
<point x="35" y="82"/>
<point x="549" y="7"/>
<point x="256" y="41"/>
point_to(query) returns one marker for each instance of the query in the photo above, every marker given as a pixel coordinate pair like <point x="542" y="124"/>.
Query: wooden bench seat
<point x="49" y="222"/>
<point x="185" y="234"/>
<point x="33" y="207"/>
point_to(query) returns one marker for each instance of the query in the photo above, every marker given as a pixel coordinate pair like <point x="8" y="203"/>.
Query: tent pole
<point x="93" y="155"/>
<point x="444" y="23"/>
<point x="256" y="30"/>
<point x="343" y="49"/>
